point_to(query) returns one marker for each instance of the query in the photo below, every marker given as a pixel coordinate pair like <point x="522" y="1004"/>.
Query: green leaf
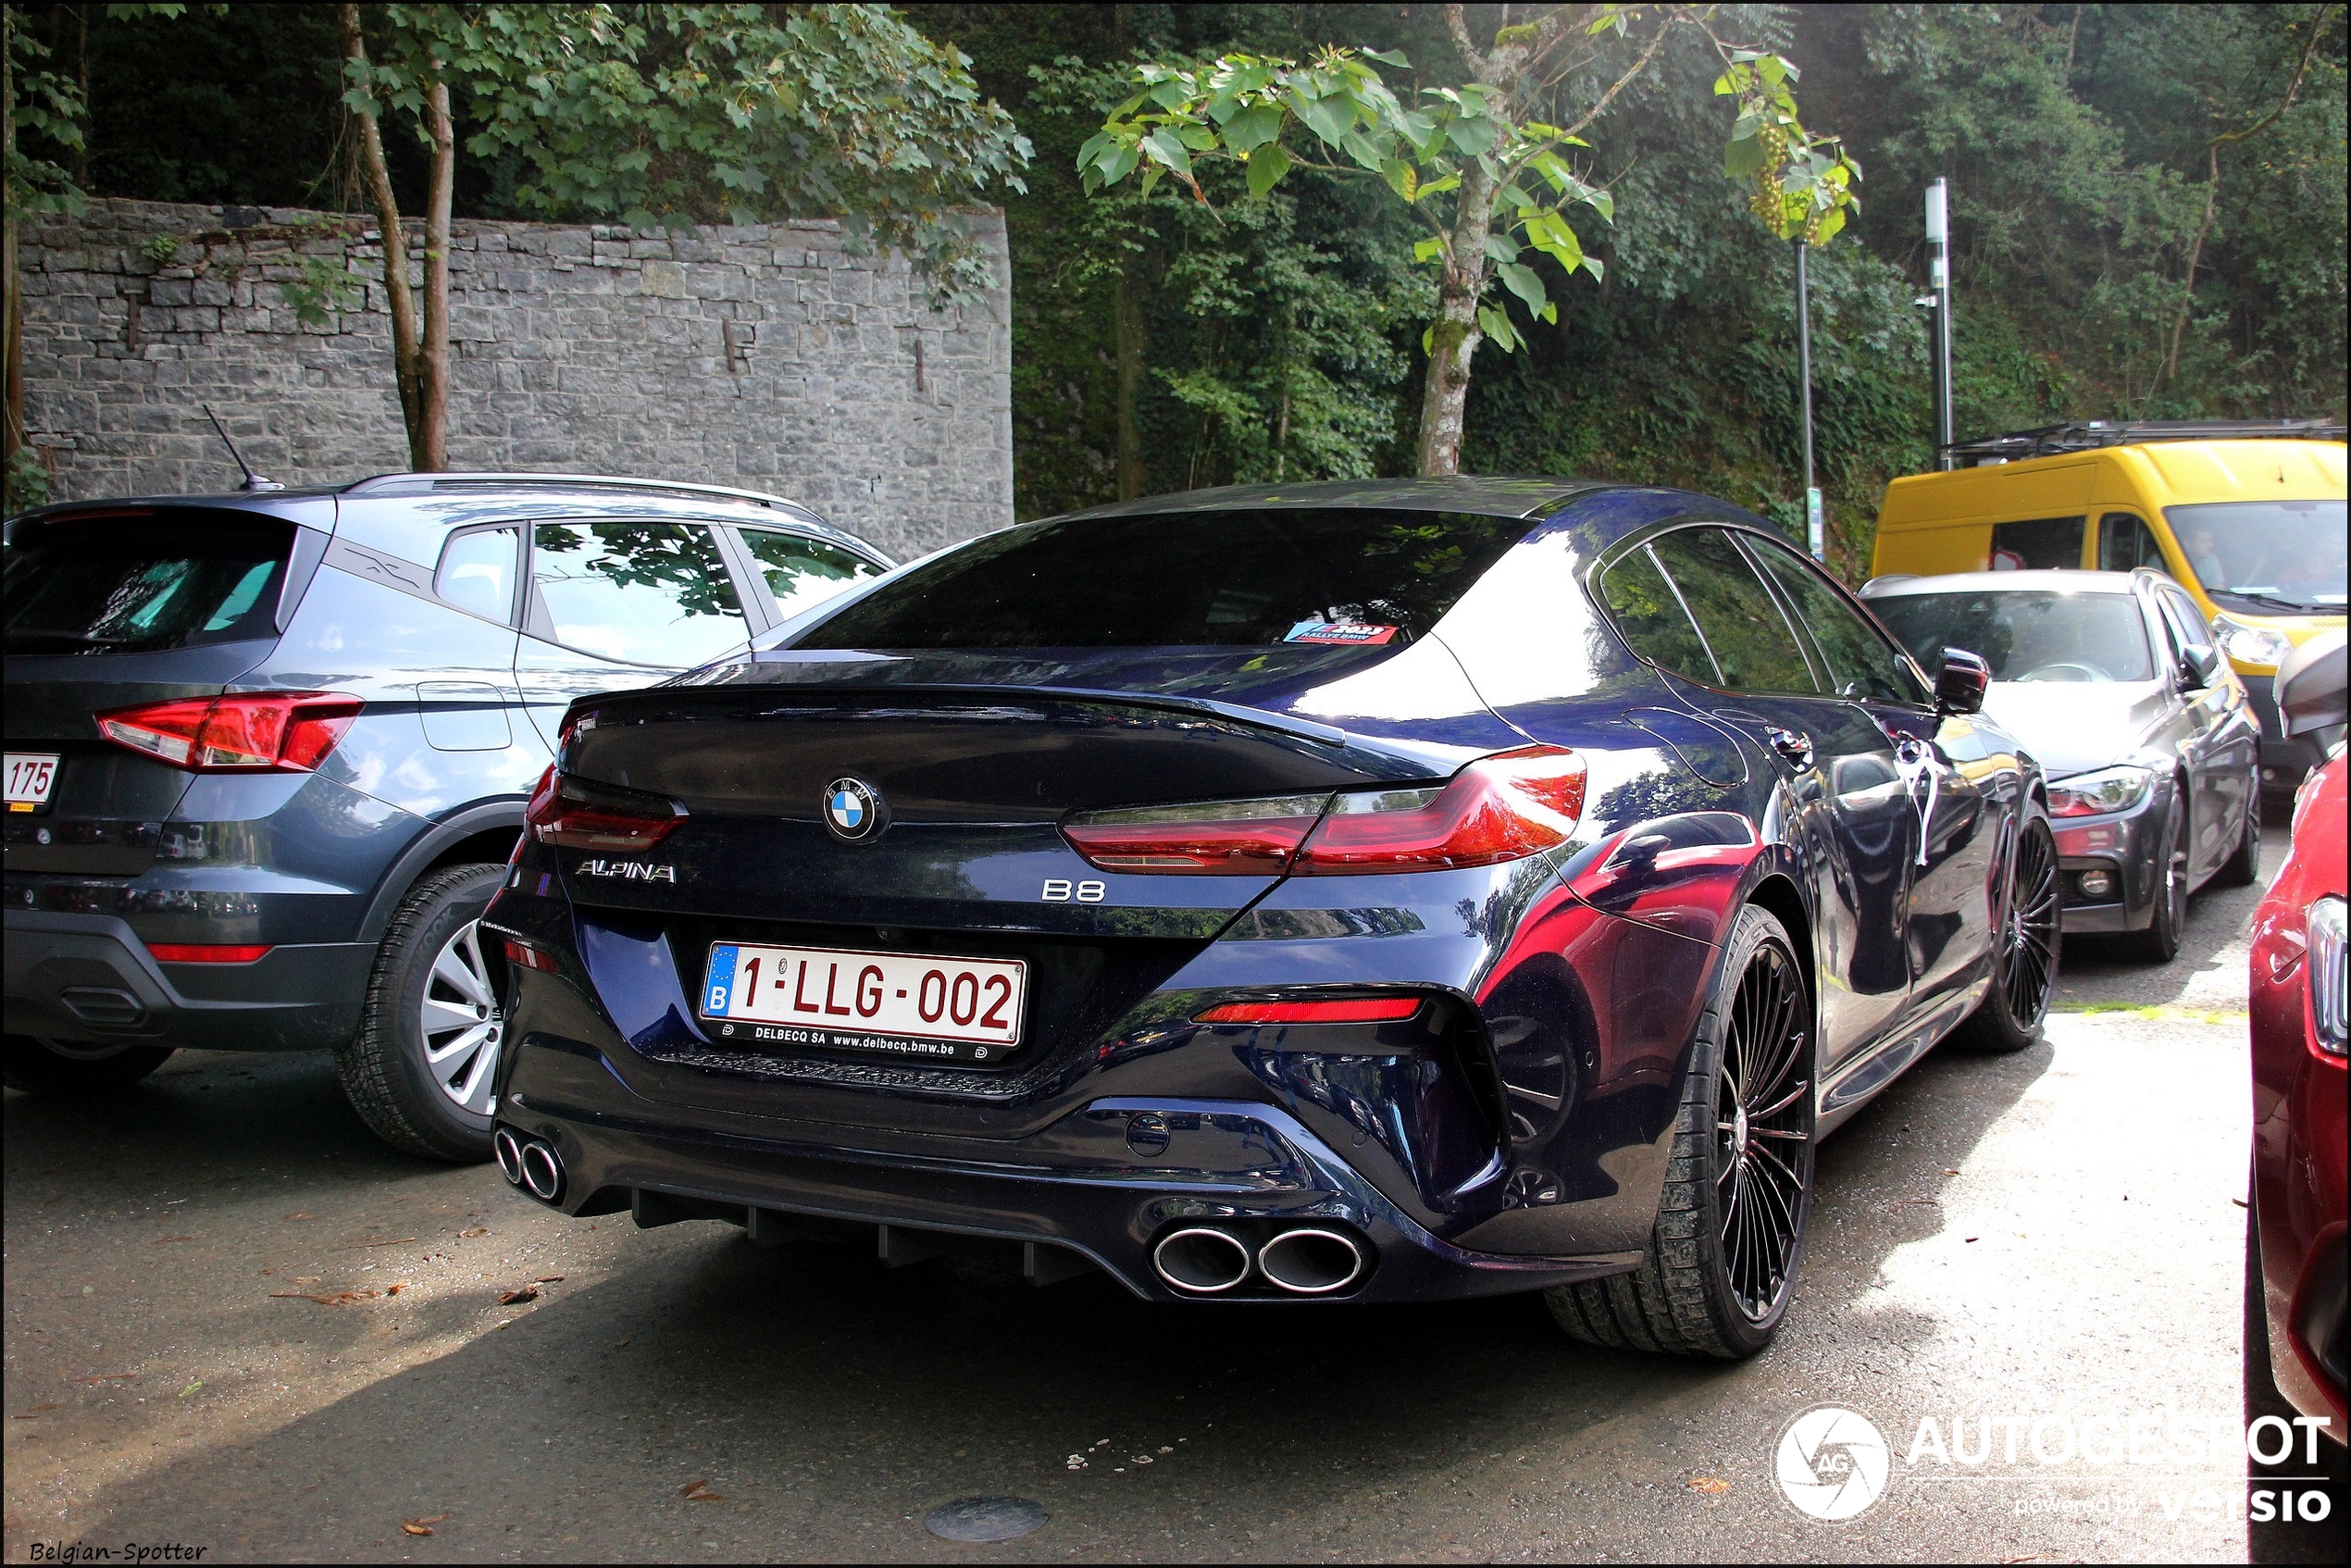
<point x="1402" y="178"/>
<point x="1521" y="281"/>
<point x="1743" y="159"/>
<point x="1427" y="250"/>
<point x="1266" y="165"/>
<point x="1388" y="57"/>
<point x="1591" y="264"/>
<point x="1163" y="146"/>
<point x="1198" y="138"/>
<point x="1496" y="327"/>
<point x="1253" y="126"/>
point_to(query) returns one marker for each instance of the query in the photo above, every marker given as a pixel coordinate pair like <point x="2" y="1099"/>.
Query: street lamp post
<point x="1815" y="528"/>
<point x="1938" y="276"/>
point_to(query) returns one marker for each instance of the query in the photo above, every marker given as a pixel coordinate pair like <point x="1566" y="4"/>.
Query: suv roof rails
<point x="395" y="484"/>
<point x="2084" y="435"/>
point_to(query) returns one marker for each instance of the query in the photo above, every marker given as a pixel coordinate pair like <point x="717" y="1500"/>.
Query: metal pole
<point x="1938" y="272"/>
<point x="1815" y="530"/>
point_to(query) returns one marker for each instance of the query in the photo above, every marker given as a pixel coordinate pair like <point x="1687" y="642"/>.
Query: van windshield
<point x="2268" y="557"/>
<point x="115" y="585"/>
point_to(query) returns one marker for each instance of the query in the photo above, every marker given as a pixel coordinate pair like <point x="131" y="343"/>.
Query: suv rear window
<point x="1367" y="575"/>
<point x="130" y="585"/>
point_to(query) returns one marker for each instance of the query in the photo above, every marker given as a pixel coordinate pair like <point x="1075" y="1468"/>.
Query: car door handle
<point x="1797" y="749"/>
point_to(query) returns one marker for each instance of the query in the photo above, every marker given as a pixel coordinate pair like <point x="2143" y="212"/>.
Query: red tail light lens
<point x="573" y="814"/>
<point x="206" y="953"/>
<point x="1355" y="1010"/>
<point x="1499" y="808"/>
<point x="1210" y="839"/>
<point x="244" y="732"/>
<point x="524" y="956"/>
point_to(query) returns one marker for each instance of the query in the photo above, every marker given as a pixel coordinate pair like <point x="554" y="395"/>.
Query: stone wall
<point x="765" y="358"/>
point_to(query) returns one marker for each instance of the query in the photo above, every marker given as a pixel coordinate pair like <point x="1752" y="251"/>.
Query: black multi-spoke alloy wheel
<point x="2025" y="951"/>
<point x="2244" y="865"/>
<point x="1738" y="1190"/>
<point x="62" y="1066"/>
<point x="2159" y="944"/>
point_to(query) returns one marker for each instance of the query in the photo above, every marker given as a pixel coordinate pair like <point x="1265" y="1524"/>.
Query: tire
<point x="429" y="1091"/>
<point x="1696" y="1293"/>
<point x="2025" y="953"/>
<point x="2159" y="944"/>
<point x="2243" y="867"/>
<point x="73" y="1067"/>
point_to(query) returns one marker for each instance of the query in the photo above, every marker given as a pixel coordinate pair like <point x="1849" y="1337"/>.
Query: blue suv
<point x="267" y="752"/>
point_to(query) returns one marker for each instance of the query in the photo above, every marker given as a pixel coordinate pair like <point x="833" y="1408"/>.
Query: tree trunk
<point x="407" y="347"/>
<point x="1132" y="476"/>
<point x="1455" y="337"/>
<point x="429" y="443"/>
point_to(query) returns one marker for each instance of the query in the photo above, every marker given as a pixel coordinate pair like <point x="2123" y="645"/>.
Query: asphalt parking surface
<point x="235" y="1322"/>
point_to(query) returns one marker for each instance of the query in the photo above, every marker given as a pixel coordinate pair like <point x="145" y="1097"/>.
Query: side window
<point x="1741" y="621"/>
<point x="477" y="573"/>
<point x="1862" y="663"/>
<point x="644" y="593"/>
<point x="2125" y="543"/>
<point x="1650" y="616"/>
<point x="803" y="572"/>
<point x="2036" y="544"/>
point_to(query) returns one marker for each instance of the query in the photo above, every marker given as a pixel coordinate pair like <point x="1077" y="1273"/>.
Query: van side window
<point x="2037" y="544"/>
<point x="2125" y="544"/>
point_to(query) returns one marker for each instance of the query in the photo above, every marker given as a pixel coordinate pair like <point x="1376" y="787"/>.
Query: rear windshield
<point x="135" y="584"/>
<point x="1351" y="577"/>
<point x="2074" y="636"/>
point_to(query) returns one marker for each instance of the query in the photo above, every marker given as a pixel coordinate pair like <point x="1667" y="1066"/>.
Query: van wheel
<point x="71" y="1066"/>
<point x="422" y="1071"/>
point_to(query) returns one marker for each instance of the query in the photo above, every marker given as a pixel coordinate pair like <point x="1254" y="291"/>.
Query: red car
<point x="2297" y="1227"/>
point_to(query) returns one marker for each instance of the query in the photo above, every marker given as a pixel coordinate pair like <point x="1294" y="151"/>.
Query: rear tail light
<point x="1212" y="838"/>
<point x="573" y="814"/>
<point x="1502" y="807"/>
<point x="522" y="955"/>
<point x="2330" y="992"/>
<point x="243" y="732"/>
<point x="208" y="952"/>
<point x="1354" y="1010"/>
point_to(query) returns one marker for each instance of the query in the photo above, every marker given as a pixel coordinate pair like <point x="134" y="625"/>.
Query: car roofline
<point x="414" y="483"/>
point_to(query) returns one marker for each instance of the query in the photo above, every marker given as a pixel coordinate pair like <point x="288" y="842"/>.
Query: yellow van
<point x="2247" y="516"/>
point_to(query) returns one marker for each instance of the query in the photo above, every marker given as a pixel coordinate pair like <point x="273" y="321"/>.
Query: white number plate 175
<point x="920" y="1006"/>
<point x="30" y="777"/>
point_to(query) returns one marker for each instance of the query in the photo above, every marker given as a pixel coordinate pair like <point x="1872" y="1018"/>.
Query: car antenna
<point x="252" y="480"/>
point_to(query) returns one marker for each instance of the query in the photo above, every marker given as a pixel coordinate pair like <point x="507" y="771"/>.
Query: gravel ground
<point x="235" y="1322"/>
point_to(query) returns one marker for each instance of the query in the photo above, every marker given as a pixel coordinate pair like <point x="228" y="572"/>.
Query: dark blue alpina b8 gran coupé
<point x="1361" y="891"/>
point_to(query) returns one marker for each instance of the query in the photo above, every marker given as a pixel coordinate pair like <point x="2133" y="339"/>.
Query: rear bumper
<point x="89" y="977"/>
<point x="1088" y="1185"/>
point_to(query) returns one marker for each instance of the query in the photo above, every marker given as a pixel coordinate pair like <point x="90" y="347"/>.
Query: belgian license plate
<point x="921" y="1005"/>
<point x="30" y="777"/>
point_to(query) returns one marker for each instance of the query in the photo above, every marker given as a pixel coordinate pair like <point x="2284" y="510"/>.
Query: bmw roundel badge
<point x="853" y="810"/>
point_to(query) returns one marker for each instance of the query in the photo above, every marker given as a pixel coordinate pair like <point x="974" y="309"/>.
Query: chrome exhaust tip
<point x="509" y="1150"/>
<point x="1201" y="1261"/>
<point x="542" y="1173"/>
<point x="1311" y="1263"/>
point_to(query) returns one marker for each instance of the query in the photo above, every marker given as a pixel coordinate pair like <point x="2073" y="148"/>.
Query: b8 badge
<point x="1057" y="890"/>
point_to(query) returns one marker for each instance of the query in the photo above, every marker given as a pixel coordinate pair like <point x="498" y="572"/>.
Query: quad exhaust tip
<point x="1201" y="1261"/>
<point x="1311" y="1263"/>
<point x="542" y="1173"/>
<point x="509" y="1150"/>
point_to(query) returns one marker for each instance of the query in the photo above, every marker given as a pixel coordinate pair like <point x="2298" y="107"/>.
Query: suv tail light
<point x="1501" y="807"/>
<point x="243" y="732"/>
<point x="573" y="814"/>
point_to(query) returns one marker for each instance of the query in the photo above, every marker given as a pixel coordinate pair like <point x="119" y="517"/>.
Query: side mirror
<point x="2199" y="666"/>
<point x="1960" y="685"/>
<point x="2311" y="685"/>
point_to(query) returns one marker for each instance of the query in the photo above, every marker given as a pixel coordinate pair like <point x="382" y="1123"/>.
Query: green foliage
<point x="1338" y="116"/>
<point x="48" y="106"/>
<point x="1803" y="183"/>
<point x="327" y="283"/>
<point x="27" y="481"/>
<point x="671" y="114"/>
<point x="161" y="250"/>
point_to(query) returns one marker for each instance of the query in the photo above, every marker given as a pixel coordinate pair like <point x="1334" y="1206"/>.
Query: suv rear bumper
<point x="89" y="977"/>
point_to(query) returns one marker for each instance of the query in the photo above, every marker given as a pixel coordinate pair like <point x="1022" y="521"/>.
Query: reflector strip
<point x="206" y="953"/>
<point x="1356" y="1009"/>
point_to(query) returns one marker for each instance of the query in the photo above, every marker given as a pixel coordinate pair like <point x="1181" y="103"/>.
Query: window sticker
<point x="1353" y="632"/>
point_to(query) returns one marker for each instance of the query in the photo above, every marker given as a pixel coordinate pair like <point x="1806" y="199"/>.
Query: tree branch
<point x="1458" y="27"/>
<point x="1619" y="86"/>
<point x="406" y="345"/>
